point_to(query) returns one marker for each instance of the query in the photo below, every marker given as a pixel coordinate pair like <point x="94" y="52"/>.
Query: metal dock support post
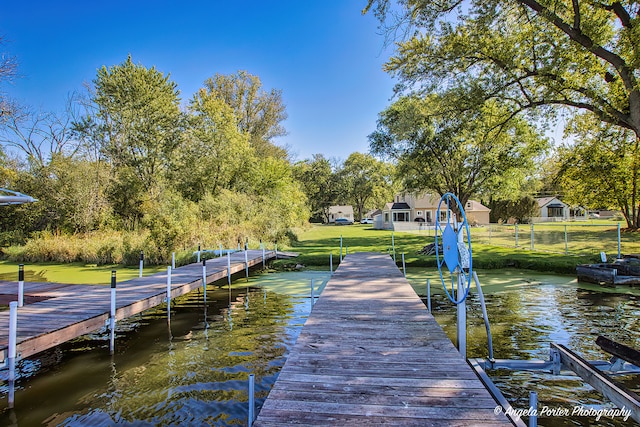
<point x="246" y="264"/>
<point x="141" y="263"/>
<point x="173" y="260"/>
<point x="13" y="338"/>
<point x="252" y="402"/>
<point x="331" y="262"/>
<point x="533" y="409"/>
<point x="21" y="285"/>
<point x="462" y="320"/>
<point x="429" y="295"/>
<point x="169" y="293"/>
<point x="229" y="268"/>
<point x="204" y="279"/>
<point x="312" y="294"/>
<point x="112" y="314"/>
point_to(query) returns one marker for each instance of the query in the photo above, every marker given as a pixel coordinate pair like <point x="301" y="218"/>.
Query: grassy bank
<point x="315" y="245"/>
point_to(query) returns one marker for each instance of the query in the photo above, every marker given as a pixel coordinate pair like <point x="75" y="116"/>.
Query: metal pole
<point x="13" y="337"/>
<point x="21" y="285"/>
<point x="566" y="241"/>
<point x="252" y="403"/>
<point x="532" y="245"/>
<point x="533" y="409"/>
<point x="619" y="251"/>
<point x="173" y="260"/>
<point x="263" y="256"/>
<point x="393" y="246"/>
<point x="198" y="260"/>
<point x="341" y="248"/>
<point x="246" y="264"/>
<point x="404" y="268"/>
<point x="229" y="268"/>
<point x="516" y="235"/>
<point x="462" y="320"/>
<point x="312" y="295"/>
<point x="112" y="314"/>
<point x="484" y="316"/>
<point x="169" y="292"/>
<point x="221" y="254"/>
<point x="331" y="262"/>
<point x="141" y="262"/>
<point x="429" y="295"/>
<point x="204" y="279"/>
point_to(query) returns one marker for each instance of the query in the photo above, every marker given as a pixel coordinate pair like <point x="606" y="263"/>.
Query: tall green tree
<point x="602" y="168"/>
<point x="259" y="113"/>
<point x="214" y="154"/>
<point x="470" y="154"/>
<point x="366" y="181"/>
<point x="320" y="183"/>
<point x="136" y="123"/>
<point x="525" y="54"/>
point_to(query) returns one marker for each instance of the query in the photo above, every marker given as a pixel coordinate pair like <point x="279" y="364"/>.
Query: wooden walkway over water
<point x="369" y="354"/>
<point x="55" y="313"/>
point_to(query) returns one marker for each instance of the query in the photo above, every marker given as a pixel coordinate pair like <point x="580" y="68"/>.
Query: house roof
<point x="544" y="201"/>
<point x="400" y="206"/>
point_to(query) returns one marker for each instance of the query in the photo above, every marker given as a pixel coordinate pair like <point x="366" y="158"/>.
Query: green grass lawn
<point x="73" y="273"/>
<point x="315" y="245"/>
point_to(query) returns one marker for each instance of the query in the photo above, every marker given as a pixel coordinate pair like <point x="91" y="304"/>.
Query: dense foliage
<point x="137" y="172"/>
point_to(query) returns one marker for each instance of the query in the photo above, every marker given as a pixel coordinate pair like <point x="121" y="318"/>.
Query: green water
<point x="194" y="370"/>
<point x="529" y="310"/>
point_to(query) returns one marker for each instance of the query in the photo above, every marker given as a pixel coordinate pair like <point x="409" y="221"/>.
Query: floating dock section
<point x="370" y="353"/>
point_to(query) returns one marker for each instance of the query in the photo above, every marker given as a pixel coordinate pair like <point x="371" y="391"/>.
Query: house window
<point x="555" y="212"/>
<point x="400" y="217"/>
<point x="386" y="217"/>
<point x="443" y="216"/>
<point x="428" y="216"/>
<point x="418" y="213"/>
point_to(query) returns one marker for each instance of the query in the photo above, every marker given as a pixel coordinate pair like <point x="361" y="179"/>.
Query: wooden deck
<point x="370" y="353"/>
<point x="55" y="313"/>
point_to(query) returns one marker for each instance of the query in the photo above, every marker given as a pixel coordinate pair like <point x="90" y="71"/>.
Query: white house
<point x="552" y="209"/>
<point x="340" y="212"/>
<point x="409" y="211"/>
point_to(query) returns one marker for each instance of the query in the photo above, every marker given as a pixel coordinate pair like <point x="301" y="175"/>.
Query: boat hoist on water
<point x="455" y="257"/>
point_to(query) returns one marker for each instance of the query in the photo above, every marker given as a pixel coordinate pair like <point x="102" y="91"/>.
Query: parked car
<point x="343" y="221"/>
<point x="366" y="221"/>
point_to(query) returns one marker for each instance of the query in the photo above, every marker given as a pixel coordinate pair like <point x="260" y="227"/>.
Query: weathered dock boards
<point x="64" y="312"/>
<point x="370" y="353"/>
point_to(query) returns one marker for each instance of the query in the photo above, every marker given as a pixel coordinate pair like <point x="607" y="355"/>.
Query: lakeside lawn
<point x="316" y="243"/>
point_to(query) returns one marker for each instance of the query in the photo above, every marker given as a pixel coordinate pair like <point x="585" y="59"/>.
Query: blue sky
<point x="324" y="55"/>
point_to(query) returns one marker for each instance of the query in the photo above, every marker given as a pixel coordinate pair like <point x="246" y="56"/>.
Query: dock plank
<point x="371" y="353"/>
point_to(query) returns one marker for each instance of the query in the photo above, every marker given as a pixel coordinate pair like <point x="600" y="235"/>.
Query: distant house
<point x="552" y="209"/>
<point x="409" y="211"/>
<point x="340" y="212"/>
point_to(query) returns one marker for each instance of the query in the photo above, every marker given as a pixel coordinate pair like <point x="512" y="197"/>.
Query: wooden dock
<point x="370" y="353"/>
<point x="55" y="313"/>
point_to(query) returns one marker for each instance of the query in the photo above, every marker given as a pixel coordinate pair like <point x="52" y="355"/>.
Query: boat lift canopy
<point x="9" y="197"/>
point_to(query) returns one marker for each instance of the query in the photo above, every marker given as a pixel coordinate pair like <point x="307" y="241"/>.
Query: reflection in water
<point x="528" y="311"/>
<point x="192" y="370"/>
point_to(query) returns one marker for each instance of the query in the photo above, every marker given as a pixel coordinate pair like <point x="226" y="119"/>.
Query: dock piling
<point x="169" y="292"/>
<point x="533" y="409"/>
<point x="21" y="285"/>
<point x="13" y="335"/>
<point x="112" y="314"/>
<point x="229" y="268"/>
<point x="141" y="263"/>
<point x="246" y="264"/>
<point x="173" y="260"/>
<point x="252" y="404"/>
<point x="204" y="279"/>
